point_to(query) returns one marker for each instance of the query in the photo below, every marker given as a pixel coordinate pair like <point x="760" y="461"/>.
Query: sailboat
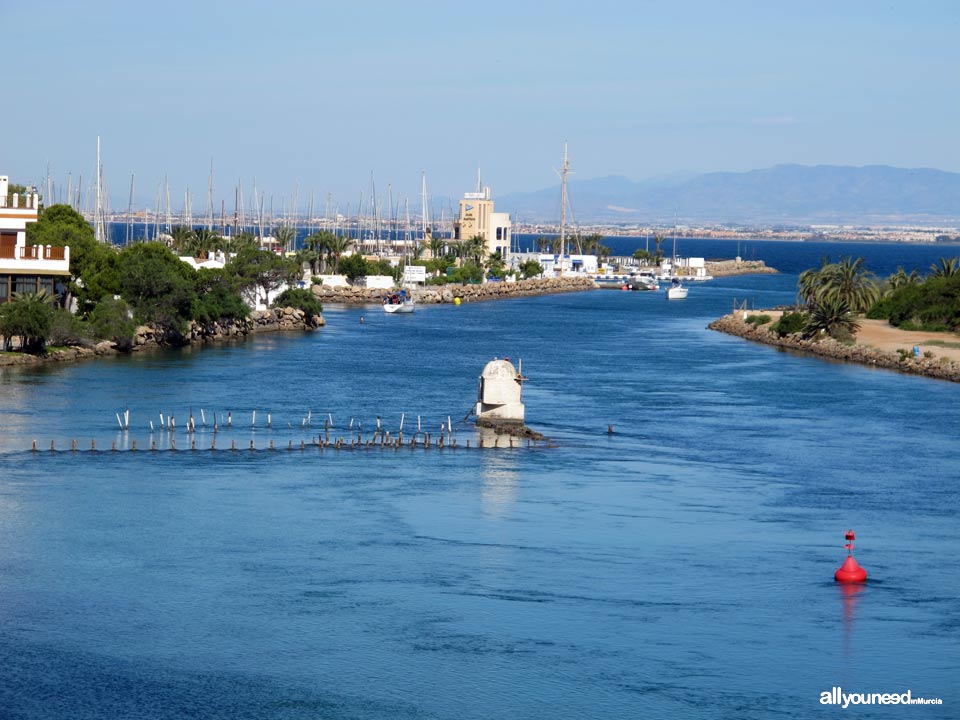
<point x="676" y="291"/>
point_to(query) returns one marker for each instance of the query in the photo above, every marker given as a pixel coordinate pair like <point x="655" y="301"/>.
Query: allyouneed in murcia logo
<point x="836" y="696"/>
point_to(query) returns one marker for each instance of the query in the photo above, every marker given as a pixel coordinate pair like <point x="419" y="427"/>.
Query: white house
<point x="27" y="268"/>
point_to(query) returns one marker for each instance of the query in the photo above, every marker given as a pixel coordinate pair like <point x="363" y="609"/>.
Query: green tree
<point x="302" y="299"/>
<point x="62" y="226"/>
<point x="643" y="256"/>
<point x="111" y="320"/>
<point x="217" y="297"/>
<point x="353" y="266"/>
<point x="158" y="286"/>
<point x="28" y="317"/>
<point x="530" y="268"/>
<point x="261" y="270"/>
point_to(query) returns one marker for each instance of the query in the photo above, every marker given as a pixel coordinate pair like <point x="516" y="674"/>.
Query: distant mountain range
<point x="784" y="194"/>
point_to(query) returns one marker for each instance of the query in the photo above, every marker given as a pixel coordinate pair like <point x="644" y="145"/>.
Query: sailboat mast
<point x="98" y="217"/>
<point x="130" y="212"/>
<point x="564" y="170"/>
<point x="423" y="201"/>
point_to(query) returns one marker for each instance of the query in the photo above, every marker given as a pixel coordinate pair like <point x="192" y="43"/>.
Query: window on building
<point x="4" y="288"/>
<point x="46" y="283"/>
<point x="25" y="283"/>
<point x="499" y="233"/>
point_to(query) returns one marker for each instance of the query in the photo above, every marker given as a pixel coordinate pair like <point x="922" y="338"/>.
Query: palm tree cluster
<point x="323" y="250"/>
<point x="834" y="294"/>
<point x="847" y="282"/>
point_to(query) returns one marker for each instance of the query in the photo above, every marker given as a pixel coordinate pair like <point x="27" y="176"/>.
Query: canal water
<point x="680" y="567"/>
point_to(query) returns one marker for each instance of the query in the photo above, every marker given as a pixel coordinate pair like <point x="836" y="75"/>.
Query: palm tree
<point x="337" y="245"/>
<point x="901" y="279"/>
<point x="658" y="241"/>
<point x="28" y="316"/>
<point x="285" y="236"/>
<point x="831" y="315"/>
<point x="847" y="281"/>
<point x="204" y="241"/>
<point x="437" y="246"/>
<point x="315" y="247"/>
<point x="947" y="267"/>
<point x="183" y="239"/>
<point x="475" y="248"/>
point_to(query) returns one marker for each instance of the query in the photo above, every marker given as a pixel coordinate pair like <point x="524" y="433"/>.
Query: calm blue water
<point x="679" y="568"/>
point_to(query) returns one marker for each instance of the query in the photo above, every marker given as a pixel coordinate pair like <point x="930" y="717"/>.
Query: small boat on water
<point x="644" y="280"/>
<point x="398" y="302"/>
<point x="676" y="291"/>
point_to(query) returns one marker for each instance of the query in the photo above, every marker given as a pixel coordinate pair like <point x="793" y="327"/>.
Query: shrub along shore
<point x="825" y="346"/>
<point x="146" y="337"/>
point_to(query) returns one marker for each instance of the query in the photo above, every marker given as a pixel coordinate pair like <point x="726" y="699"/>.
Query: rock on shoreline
<point x="832" y="349"/>
<point x="725" y="268"/>
<point x="146" y="336"/>
<point x="438" y="294"/>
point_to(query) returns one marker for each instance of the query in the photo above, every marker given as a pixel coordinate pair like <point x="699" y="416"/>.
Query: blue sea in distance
<point x="678" y="567"/>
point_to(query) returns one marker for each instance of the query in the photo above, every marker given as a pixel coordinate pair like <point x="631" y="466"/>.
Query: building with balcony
<point x="27" y="268"/>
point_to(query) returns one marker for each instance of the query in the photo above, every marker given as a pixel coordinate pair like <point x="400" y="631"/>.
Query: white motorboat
<point x="644" y="280"/>
<point x="676" y="291"/>
<point x="398" y="302"/>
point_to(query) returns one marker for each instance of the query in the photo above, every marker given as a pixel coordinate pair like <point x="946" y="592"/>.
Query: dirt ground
<point x="881" y="335"/>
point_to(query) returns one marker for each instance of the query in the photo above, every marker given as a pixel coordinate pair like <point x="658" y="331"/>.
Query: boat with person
<point x="398" y="302"/>
<point x="676" y="291"/>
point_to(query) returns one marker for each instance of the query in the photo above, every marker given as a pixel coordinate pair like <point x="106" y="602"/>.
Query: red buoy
<point x="850" y="571"/>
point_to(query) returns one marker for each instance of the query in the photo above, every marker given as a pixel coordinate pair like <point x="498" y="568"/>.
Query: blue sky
<point x="318" y="95"/>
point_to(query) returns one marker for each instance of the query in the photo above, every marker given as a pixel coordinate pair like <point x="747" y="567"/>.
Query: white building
<point x="27" y="268"/>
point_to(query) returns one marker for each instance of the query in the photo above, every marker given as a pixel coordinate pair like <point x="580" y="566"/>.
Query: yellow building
<point x="477" y="217"/>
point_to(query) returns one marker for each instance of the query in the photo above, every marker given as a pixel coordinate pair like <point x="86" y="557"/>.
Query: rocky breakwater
<point x="147" y="336"/>
<point x="273" y="320"/>
<point x="724" y="268"/>
<point x="827" y="347"/>
<point x="435" y="294"/>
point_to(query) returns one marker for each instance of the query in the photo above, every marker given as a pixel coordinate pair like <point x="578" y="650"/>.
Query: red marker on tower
<point x="850" y="571"/>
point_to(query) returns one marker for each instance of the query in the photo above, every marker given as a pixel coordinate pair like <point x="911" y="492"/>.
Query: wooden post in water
<point x="51" y="446"/>
<point x="133" y="446"/>
<point x="34" y="446"/>
<point x="251" y="445"/>
<point x="93" y="445"/>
